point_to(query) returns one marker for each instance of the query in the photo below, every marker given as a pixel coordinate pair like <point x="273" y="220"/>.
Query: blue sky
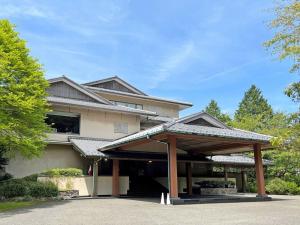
<point x="187" y="50"/>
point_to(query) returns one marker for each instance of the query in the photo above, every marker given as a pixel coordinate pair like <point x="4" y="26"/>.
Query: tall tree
<point x="213" y="109"/>
<point x="253" y="104"/>
<point x="286" y="41"/>
<point x="23" y="104"/>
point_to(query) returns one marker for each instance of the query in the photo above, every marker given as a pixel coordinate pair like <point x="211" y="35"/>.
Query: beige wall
<point x="54" y="156"/>
<point x="162" y="109"/>
<point x="84" y="184"/>
<point x="98" y="124"/>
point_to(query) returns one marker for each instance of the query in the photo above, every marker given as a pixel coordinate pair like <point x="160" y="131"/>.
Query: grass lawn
<point x="9" y="205"/>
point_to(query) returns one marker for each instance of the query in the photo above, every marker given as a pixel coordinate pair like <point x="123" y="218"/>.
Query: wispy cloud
<point x="22" y="9"/>
<point x="173" y="61"/>
<point x="231" y="70"/>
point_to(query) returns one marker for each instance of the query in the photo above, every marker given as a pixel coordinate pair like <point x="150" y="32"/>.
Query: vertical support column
<point x="172" y="158"/>
<point x="95" y="177"/>
<point x="244" y="180"/>
<point x="189" y="175"/>
<point x="260" y="180"/>
<point x="115" y="178"/>
<point x="226" y="173"/>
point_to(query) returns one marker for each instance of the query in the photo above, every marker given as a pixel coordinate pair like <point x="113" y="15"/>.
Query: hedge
<point x="281" y="187"/>
<point x="21" y="188"/>
<point x="66" y="172"/>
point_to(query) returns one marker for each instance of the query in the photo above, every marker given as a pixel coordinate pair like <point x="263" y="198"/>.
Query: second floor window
<point x="62" y="122"/>
<point x="127" y="104"/>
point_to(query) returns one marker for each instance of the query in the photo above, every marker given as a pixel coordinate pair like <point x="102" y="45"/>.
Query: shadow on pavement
<point x="28" y="209"/>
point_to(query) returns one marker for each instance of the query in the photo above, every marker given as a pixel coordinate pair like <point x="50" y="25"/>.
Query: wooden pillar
<point x="95" y="177"/>
<point x="244" y="180"/>
<point x="172" y="158"/>
<point x="115" y="178"/>
<point x="189" y="175"/>
<point x="225" y="173"/>
<point x="260" y="180"/>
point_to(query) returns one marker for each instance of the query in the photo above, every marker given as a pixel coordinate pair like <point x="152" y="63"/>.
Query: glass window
<point x="62" y="123"/>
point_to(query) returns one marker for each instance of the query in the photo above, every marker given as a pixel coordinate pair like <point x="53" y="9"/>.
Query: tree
<point x="23" y="103"/>
<point x="253" y="104"/>
<point x="213" y="109"/>
<point x="286" y="41"/>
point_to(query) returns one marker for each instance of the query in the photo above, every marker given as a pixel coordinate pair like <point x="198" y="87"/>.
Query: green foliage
<point x="23" y="103"/>
<point x="32" y="177"/>
<point x="214" y="110"/>
<point x="254" y="104"/>
<point x="41" y="189"/>
<point x="281" y="187"/>
<point x="23" y="187"/>
<point x="67" y="172"/>
<point x="13" y="188"/>
<point x="286" y="41"/>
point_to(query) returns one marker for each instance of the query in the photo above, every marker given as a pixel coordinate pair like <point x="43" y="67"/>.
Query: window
<point x="121" y="128"/>
<point x="62" y="122"/>
<point x="127" y="104"/>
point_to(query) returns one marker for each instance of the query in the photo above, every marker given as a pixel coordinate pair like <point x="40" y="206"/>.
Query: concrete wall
<point x="54" y="156"/>
<point x="98" y="124"/>
<point x="85" y="184"/>
<point x="162" y="109"/>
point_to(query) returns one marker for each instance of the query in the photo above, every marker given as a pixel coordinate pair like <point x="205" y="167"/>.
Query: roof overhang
<point x="97" y="106"/>
<point x="182" y="105"/>
<point x="194" y="139"/>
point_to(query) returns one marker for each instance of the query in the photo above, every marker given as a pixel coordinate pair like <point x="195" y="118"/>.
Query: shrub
<point x="67" y="172"/>
<point x="22" y="187"/>
<point x="6" y="176"/>
<point x="39" y="189"/>
<point x="32" y="177"/>
<point x="13" y="188"/>
<point x="278" y="186"/>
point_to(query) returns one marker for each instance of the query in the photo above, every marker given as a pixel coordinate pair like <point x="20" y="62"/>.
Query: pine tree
<point x="213" y="109"/>
<point x="23" y="103"/>
<point x="253" y="104"/>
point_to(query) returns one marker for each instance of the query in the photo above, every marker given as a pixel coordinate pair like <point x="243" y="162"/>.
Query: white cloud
<point x="172" y="62"/>
<point x="17" y="10"/>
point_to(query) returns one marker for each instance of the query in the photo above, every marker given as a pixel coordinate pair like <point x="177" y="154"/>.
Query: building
<point x="136" y="143"/>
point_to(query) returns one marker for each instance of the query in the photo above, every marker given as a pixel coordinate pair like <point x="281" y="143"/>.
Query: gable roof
<point x="183" y="105"/>
<point x="118" y="80"/>
<point x="80" y="88"/>
<point x="205" y="116"/>
<point x="177" y="127"/>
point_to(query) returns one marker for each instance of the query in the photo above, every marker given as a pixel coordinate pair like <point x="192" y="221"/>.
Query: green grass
<point x="10" y="205"/>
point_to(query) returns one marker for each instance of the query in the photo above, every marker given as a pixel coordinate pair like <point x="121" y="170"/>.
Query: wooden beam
<point x="260" y="180"/>
<point x="115" y="178"/>
<point x="189" y="176"/>
<point x="172" y="157"/>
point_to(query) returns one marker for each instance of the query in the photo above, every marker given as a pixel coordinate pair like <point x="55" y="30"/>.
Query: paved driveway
<point x="284" y="210"/>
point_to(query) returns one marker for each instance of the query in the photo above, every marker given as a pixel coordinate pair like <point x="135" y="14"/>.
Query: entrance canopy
<point x="198" y="136"/>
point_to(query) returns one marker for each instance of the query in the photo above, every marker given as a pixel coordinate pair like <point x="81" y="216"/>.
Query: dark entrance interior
<point x="142" y="176"/>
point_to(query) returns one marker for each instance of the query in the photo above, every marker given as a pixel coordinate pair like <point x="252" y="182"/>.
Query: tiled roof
<point x="88" y="146"/>
<point x="96" y="89"/>
<point x="180" y="128"/>
<point x="76" y="102"/>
